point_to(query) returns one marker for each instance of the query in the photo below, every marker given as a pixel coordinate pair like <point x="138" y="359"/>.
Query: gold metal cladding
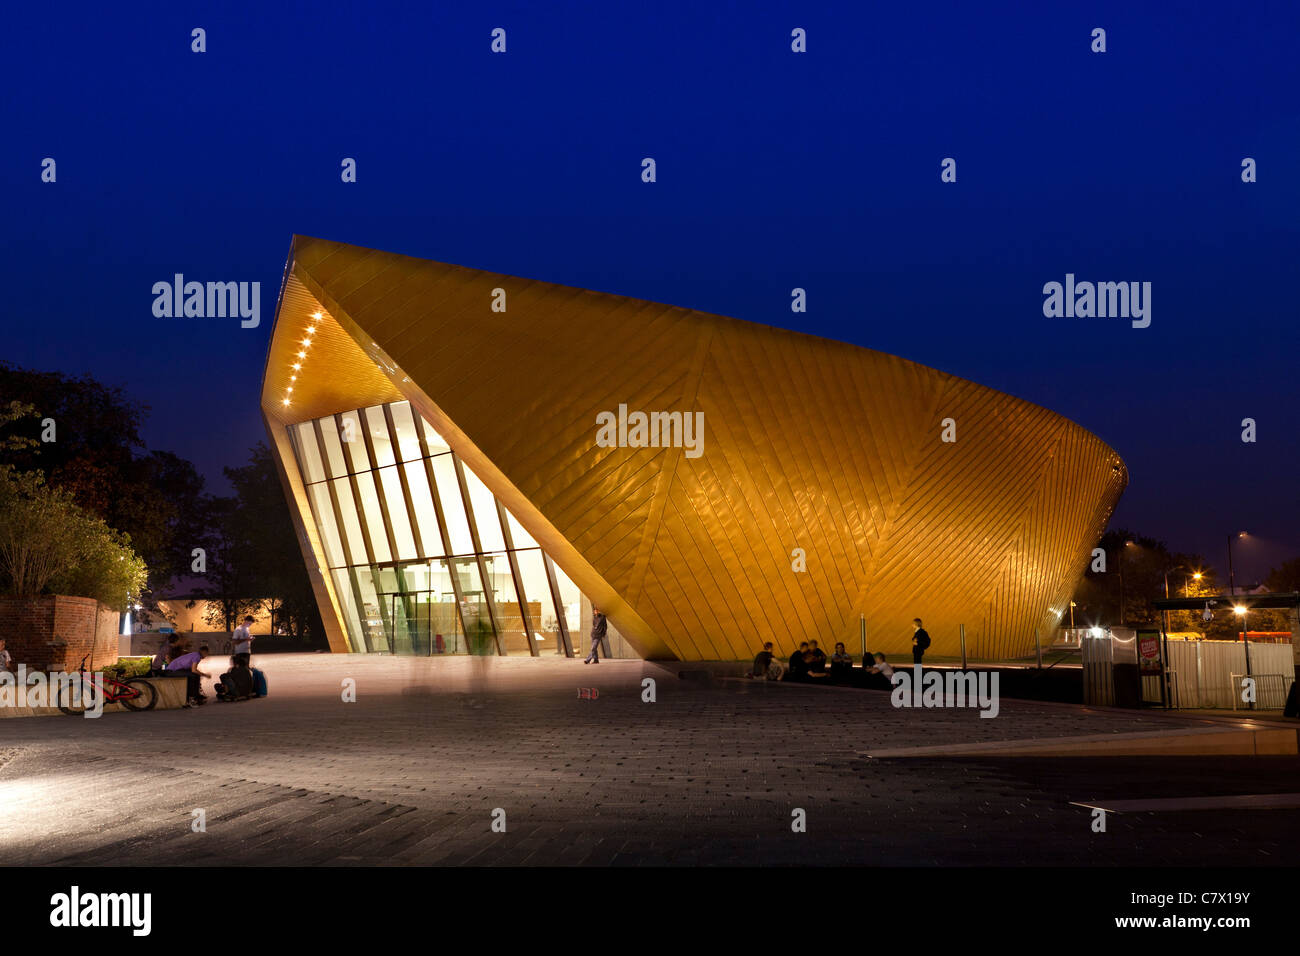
<point x="334" y="370"/>
<point x="808" y="444"/>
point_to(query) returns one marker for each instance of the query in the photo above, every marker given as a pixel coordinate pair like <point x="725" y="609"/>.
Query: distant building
<point x="193" y="619"/>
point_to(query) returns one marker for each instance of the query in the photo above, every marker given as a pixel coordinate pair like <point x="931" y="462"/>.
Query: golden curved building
<point x="440" y="434"/>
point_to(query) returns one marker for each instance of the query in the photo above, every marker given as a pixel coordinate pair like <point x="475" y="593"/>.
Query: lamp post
<point x="1232" y="585"/>
<point x="1166" y="691"/>
<point x="1242" y="611"/>
<point x="1196" y="575"/>
<point x="1127" y="544"/>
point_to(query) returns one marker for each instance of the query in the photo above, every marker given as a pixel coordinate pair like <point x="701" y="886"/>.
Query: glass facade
<point x="423" y="558"/>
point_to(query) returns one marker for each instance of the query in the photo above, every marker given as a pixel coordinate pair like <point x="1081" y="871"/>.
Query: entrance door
<point x="410" y="634"/>
<point x="421" y="625"/>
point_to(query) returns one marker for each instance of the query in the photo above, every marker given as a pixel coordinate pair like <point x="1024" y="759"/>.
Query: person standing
<point x="6" y="659"/>
<point x="920" y="641"/>
<point x="242" y="643"/>
<point x="598" y="629"/>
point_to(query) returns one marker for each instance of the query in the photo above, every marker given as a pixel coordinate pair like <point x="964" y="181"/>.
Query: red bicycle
<point x="134" y="693"/>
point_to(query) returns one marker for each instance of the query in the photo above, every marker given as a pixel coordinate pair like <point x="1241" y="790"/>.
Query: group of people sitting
<point x="175" y="658"/>
<point x="811" y="665"/>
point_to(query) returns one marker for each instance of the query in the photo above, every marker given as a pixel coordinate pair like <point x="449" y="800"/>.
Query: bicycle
<point x="134" y="693"/>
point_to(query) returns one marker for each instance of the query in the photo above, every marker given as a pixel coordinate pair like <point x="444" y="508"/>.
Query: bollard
<point x="862" y="632"/>
<point x="963" y="645"/>
<point x="1038" y="649"/>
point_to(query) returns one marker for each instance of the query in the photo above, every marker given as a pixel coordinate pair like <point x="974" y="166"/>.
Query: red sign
<point x="1149" y="663"/>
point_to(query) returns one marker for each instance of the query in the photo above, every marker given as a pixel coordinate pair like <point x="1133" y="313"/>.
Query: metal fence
<point x="1209" y="673"/>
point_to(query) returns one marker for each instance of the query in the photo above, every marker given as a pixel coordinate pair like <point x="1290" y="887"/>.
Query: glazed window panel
<point x="537" y="595"/>
<point x="354" y="443"/>
<point x="374" y="514"/>
<point x="479" y="633"/>
<point x="373" y="614"/>
<point x="426" y="516"/>
<point x="351" y="523"/>
<point x="323" y="513"/>
<point x="431" y="437"/>
<point x="408" y="441"/>
<point x="338" y="466"/>
<point x="518" y="535"/>
<point x="380" y="441"/>
<point x="397" y="515"/>
<point x="485" y="514"/>
<point x="308" y="453"/>
<point x="571" y="601"/>
<point x="453" y="509"/>
<point x="348" y="604"/>
<point x="501" y="583"/>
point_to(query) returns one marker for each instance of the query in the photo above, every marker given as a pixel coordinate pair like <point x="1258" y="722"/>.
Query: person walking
<point x="920" y="641"/>
<point x="598" y="629"/>
<point x="242" y="643"/>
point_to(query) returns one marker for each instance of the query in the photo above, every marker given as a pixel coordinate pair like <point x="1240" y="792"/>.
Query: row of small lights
<point x="296" y="366"/>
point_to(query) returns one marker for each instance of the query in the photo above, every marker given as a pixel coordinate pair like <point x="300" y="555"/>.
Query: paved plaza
<point x="709" y="773"/>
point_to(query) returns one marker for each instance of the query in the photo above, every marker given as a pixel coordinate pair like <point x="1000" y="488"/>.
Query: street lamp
<point x="1196" y="576"/>
<point x="1241" y="610"/>
<point x="1166" y="692"/>
<point x="1232" y="586"/>
<point x="1127" y="544"/>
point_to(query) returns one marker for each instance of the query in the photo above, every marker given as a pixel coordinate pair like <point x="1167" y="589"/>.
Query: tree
<point x="1285" y="578"/>
<point x="254" y="560"/>
<point x="49" y="544"/>
<point x="97" y="456"/>
<point x="225" y="579"/>
<point x="16" y="439"/>
<point x="1134" y="578"/>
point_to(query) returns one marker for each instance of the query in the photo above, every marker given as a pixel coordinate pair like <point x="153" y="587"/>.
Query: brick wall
<point x="54" y="631"/>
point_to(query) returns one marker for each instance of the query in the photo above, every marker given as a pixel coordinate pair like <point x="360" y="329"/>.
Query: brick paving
<point x="412" y="772"/>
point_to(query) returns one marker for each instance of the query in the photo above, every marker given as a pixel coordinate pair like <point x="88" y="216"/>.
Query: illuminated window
<point x="398" y="589"/>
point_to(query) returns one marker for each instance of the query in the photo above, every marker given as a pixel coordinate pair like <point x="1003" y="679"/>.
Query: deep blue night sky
<point x="775" y="170"/>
